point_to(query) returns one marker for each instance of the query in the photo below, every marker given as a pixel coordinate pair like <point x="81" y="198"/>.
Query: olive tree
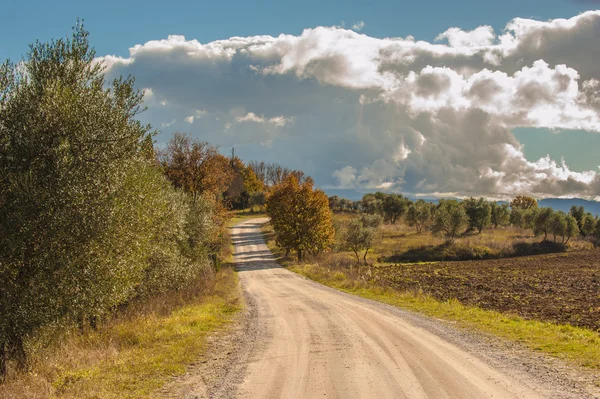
<point x="499" y="214"/>
<point x="478" y="212"/>
<point x="83" y="205"/>
<point x="419" y="215"/>
<point x="358" y="237"/>
<point x="450" y="219"/>
<point x="541" y="223"/>
<point x="588" y="224"/>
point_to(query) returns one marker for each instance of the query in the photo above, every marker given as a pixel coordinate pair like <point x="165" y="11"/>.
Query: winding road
<point x="317" y="342"/>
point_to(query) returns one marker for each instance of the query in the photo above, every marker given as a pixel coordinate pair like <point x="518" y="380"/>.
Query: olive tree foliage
<point x="359" y="237"/>
<point x="300" y="216"/>
<point x="499" y="214"/>
<point x="394" y="206"/>
<point x="371" y="221"/>
<point x="563" y="225"/>
<point x="588" y="224"/>
<point x="529" y="217"/>
<point x="541" y="223"/>
<point x="516" y="217"/>
<point x="83" y="206"/>
<point x="419" y="215"/>
<point x="578" y="212"/>
<point x="557" y="224"/>
<point x="572" y="229"/>
<point x="450" y="219"/>
<point x="478" y="212"/>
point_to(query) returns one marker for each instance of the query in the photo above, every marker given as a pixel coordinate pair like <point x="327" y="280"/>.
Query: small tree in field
<point x="300" y="216"/>
<point x="557" y="225"/>
<point x="394" y="206"/>
<point x="418" y="215"/>
<point x="588" y="225"/>
<point x="572" y="229"/>
<point x="359" y="238"/>
<point x="371" y="221"/>
<point x="500" y="214"/>
<point x="450" y="219"/>
<point x="529" y="216"/>
<point x="478" y="212"/>
<point x="541" y="223"/>
<point x="516" y="217"/>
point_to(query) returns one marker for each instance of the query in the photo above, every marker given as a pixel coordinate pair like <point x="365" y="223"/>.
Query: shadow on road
<point x="247" y="258"/>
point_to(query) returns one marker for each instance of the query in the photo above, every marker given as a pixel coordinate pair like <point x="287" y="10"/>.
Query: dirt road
<point x="316" y="342"/>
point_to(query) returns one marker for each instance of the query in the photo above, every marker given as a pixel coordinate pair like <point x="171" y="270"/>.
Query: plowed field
<point x="564" y="288"/>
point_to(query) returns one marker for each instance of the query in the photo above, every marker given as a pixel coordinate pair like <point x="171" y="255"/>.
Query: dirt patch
<point x="563" y="288"/>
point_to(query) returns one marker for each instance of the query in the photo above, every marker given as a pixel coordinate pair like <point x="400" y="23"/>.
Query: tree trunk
<point x="365" y="257"/>
<point x="94" y="321"/>
<point x="2" y="361"/>
<point x="357" y="258"/>
<point x="18" y="353"/>
<point x="299" y="255"/>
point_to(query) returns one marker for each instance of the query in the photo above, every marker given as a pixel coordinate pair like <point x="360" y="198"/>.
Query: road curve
<point x="321" y="343"/>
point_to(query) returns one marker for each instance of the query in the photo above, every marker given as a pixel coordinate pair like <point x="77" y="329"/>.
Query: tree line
<point x="453" y="218"/>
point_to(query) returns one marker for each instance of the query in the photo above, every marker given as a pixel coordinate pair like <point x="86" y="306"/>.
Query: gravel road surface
<point x="305" y="340"/>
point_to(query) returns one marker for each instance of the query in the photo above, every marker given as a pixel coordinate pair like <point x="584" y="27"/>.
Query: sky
<point x="445" y="98"/>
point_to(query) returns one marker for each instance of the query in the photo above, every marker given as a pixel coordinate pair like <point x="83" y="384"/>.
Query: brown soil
<point x="563" y="288"/>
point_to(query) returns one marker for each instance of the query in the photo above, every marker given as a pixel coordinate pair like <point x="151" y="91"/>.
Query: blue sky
<point x="472" y="113"/>
<point x="117" y="25"/>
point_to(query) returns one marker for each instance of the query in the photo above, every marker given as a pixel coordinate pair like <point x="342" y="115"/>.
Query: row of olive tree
<point x="88" y="220"/>
<point x="452" y="218"/>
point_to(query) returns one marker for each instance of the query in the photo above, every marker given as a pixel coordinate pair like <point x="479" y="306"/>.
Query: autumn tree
<point x="244" y="185"/>
<point x="478" y="212"/>
<point x="196" y="167"/>
<point x="523" y="202"/>
<point x="450" y="219"/>
<point x="300" y="216"/>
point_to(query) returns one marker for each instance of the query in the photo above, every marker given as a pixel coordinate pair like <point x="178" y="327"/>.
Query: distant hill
<point x="562" y="204"/>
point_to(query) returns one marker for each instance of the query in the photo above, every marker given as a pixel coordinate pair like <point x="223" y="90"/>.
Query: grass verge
<point x="578" y="345"/>
<point x="133" y="357"/>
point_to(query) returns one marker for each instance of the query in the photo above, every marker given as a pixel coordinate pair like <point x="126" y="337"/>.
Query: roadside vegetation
<point x="111" y="247"/>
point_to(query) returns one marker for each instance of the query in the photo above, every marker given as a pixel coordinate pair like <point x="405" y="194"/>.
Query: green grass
<point x="135" y="357"/>
<point x="577" y="345"/>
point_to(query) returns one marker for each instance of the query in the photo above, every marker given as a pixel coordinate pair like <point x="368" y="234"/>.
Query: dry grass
<point x="132" y="355"/>
<point x="398" y="239"/>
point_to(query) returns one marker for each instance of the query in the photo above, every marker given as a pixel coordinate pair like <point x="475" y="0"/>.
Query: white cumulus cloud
<point x="361" y="112"/>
